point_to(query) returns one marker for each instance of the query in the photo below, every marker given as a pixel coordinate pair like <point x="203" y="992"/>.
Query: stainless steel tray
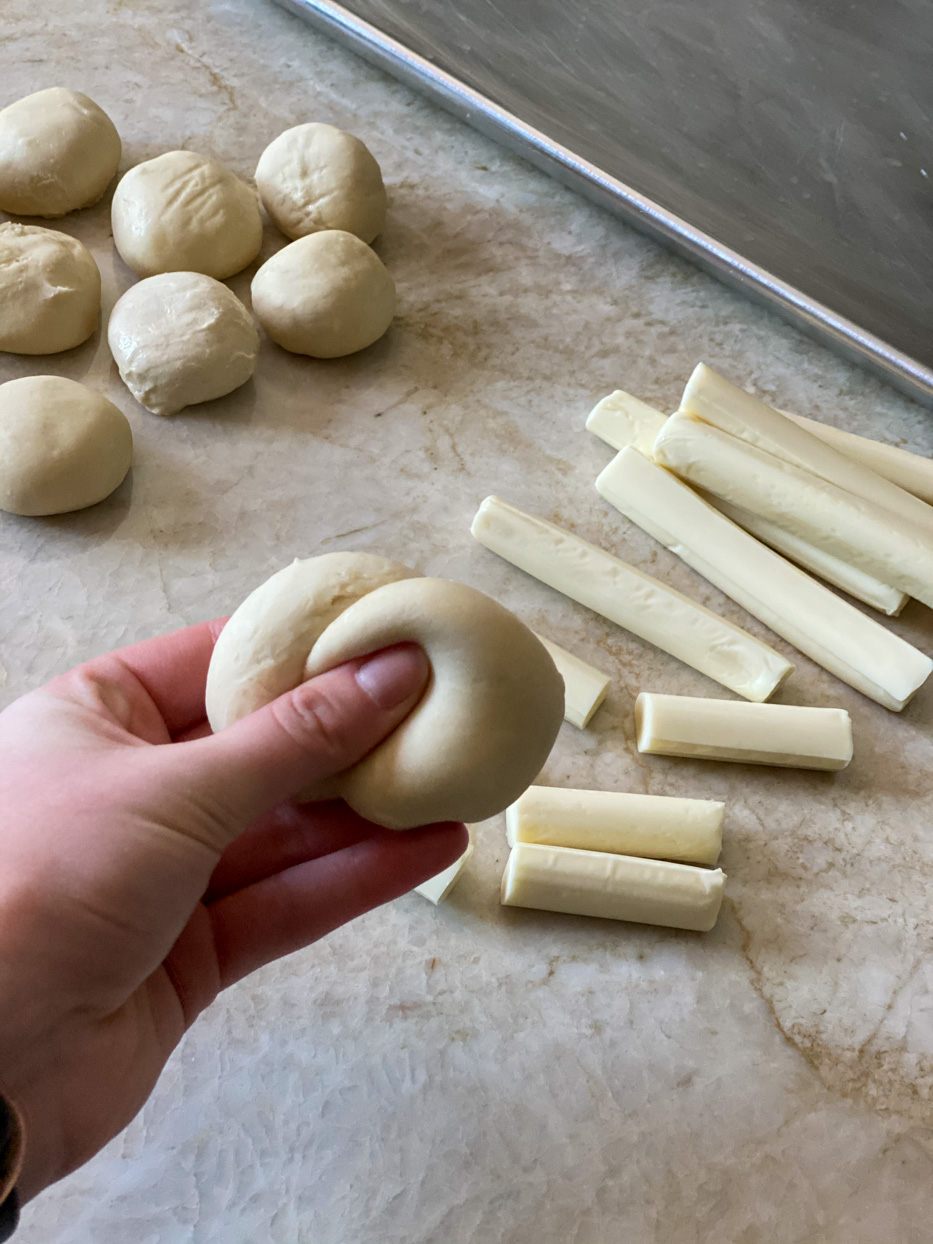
<point x="784" y="146"/>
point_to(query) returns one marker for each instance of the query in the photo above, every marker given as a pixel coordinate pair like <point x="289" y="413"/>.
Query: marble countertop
<point x="437" y="1076"/>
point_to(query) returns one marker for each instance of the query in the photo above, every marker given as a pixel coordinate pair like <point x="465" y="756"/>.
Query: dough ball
<point x="49" y="290"/>
<point x="181" y="338"/>
<point x="182" y="212"/>
<point x="485" y="725"/>
<point x="58" y="152"/>
<point x="325" y="295"/>
<point x="317" y="177"/>
<point x="62" y="446"/>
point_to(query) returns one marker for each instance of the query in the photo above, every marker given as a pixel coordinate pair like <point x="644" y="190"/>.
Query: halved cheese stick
<point x="631" y="599"/>
<point x="710" y="397"/>
<point x="585" y="687"/>
<point x="615" y="887"/>
<point x="622" y="420"/>
<point x="829" y="630"/>
<point x="436" y="888"/>
<point x="655" y="826"/>
<point x="759" y="734"/>
<point x="909" y="471"/>
<point x="863" y="534"/>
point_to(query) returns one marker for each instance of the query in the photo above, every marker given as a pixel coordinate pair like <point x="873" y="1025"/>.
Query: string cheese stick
<point x="436" y="888"/>
<point x="710" y="397"/>
<point x="622" y="420"/>
<point x="585" y="687"/>
<point x="615" y="887"/>
<point x="843" y="524"/>
<point x="829" y="630"/>
<point x="654" y="826"/>
<point x="624" y="595"/>
<point x="909" y="471"/>
<point x="761" y="734"/>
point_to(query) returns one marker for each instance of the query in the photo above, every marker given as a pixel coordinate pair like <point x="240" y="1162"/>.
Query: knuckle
<point x="316" y="722"/>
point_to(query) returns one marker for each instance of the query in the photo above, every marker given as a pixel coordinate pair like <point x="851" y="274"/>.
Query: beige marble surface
<point x="473" y="1073"/>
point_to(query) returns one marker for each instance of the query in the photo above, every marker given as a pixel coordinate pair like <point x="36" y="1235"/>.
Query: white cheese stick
<point x="436" y="888"/>
<point x="710" y="397"/>
<point x="622" y="420"/>
<point x="624" y="595"/>
<point x="829" y="630"/>
<point x="654" y="826"/>
<point x="909" y="471"/>
<point x="758" y="734"/>
<point x="585" y="687"/>
<point x="833" y="519"/>
<point x="615" y="887"/>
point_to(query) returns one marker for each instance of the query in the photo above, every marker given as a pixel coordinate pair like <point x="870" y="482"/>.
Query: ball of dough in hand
<point x="481" y="732"/>
<point x="49" y="290"/>
<point x="316" y="177"/>
<point x="62" y="446"/>
<point x="182" y="212"/>
<point x="58" y="153"/>
<point x="181" y="338"/>
<point x="325" y="295"/>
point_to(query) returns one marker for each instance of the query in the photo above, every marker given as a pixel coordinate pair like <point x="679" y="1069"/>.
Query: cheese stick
<point x="708" y="396"/>
<point x="760" y="734"/>
<point x="436" y="888"/>
<point x="622" y="420"/>
<point x="615" y="887"/>
<point x="654" y="826"/>
<point x="585" y="687"/>
<point x="624" y="595"/>
<point x="909" y="471"/>
<point x="829" y="630"/>
<point x="833" y="519"/>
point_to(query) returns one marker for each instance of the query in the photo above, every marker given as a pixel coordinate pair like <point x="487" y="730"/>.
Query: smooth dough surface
<point x="58" y="152"/>
<point x="183" y="212"/>
<point x="49" y="290"/>
<point x="485" y="725"/>
<point x="62" y="446"/>
<point x="181" y="338"/>
<point x="326" y="295"/>
<point x="316" y="177"/>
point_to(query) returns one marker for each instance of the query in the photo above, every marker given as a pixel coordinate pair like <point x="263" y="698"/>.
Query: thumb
<point x="317" y="730"/>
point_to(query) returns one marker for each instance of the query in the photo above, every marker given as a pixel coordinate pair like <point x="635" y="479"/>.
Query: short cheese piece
<point x="759" y="734"/>
<point x="624" y="595"/>
<point x="622" y="420"/>
<point x="653" y="826"/>
<point x="585" y="687"/>
<point x="829" y="630"/>
<point x="436" y="888"/>
<point x="615" y="887"/>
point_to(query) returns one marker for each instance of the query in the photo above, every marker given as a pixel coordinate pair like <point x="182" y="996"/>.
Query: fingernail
<point x="394" y="675"/>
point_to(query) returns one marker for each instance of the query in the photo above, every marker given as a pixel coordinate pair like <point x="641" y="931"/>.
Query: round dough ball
<point x="325" y="295"/>
<point x="181" y="338"/>
<point x="49" y="290"/>
<point x="182" y="212"/>
<point x="58" y="152"/>
<point x="316" y="177"/>
<point x="62" y="446"/>
<point x="485" y="725"/>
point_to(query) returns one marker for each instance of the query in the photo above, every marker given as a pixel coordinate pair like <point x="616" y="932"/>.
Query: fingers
<point x="295" y="907"/>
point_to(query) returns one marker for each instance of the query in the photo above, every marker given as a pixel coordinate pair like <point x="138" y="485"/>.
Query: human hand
<point x="147" y="864"/>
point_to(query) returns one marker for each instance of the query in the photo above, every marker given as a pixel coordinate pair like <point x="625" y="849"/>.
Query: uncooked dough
<point x="182" y="212"/>
<point x="62" y="446"/>
<point x="325" y="295"/>
<point x="482" y="730"/>
<point x="316" y="177"/>
<point x="58" y="153"/>
<point x="181" y="338"/>
<point x="49" y="290"/>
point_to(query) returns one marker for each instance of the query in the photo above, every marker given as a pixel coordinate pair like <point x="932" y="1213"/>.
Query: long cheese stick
<point x="624" y="595"/>
<point x="615" y="887"/>
<point x="843" y="524"/>
<point x="762" y="734"/>
<point x="654" y="826"/>
<point x="829" y="630"/>
<point x="710" y="397"/>
<point x="436" y="888"/>
<point x="585" y="687"/>
<point x="909" y="471"/>
<point x="622" y="420"/>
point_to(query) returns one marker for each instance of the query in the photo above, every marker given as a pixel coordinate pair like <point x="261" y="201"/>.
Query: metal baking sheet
<point x="785" y="146"/>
